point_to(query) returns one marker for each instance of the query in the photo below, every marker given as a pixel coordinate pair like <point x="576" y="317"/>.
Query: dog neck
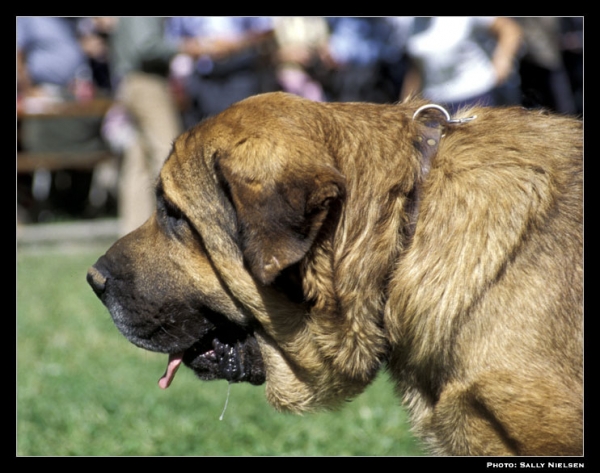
<point x="432" y="123"/>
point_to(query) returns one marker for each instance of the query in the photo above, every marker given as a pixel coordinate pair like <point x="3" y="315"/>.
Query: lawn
<point x="82" y="389"/>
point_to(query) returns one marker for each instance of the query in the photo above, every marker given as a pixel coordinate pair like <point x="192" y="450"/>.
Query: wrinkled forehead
<point x="190" y="162"/>
<point x="189" y="181"/>
<point x="259" y="134"/>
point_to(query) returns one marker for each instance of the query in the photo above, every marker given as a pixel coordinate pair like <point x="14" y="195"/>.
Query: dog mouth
<point x="191" y="333"/>
<point x="233" y="358"/>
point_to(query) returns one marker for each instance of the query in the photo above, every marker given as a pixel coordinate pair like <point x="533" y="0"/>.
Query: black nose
<point x="97" y="276"/>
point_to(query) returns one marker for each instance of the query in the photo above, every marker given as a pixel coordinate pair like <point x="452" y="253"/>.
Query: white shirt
<point x="453" y="64"/>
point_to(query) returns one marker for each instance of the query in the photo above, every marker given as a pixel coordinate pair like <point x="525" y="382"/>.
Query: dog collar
<point x="430" y="131"/>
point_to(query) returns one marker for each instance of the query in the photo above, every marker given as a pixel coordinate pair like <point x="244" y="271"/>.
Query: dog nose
<point x="97" y="277"/>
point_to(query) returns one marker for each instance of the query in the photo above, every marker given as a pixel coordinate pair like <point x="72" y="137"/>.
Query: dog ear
<point x="279" y="220"/>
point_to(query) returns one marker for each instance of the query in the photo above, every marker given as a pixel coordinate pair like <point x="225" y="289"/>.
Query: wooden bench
<point x="28" y="162"/>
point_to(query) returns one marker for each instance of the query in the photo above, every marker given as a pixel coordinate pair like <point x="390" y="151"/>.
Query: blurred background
<point x="99" y="101"/>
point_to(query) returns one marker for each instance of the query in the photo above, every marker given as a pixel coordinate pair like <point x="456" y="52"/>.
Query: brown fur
<point x="477" y="312"/>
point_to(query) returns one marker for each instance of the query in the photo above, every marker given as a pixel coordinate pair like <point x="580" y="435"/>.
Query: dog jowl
<point x="154" y="307"/>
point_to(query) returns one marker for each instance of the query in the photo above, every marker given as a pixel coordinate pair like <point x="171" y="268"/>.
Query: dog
<point x="308" y="246"/>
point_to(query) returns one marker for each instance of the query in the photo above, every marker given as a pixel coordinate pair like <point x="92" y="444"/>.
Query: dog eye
<point x="176" y="220"/>
<point x="172" y="217"/>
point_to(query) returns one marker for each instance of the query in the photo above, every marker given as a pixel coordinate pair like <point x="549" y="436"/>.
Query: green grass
<point x="84" y="390"/>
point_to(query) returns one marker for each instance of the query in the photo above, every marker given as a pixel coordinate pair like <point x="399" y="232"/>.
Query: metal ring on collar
<point x="431" y="105"/>
<point x="445" y="112"/>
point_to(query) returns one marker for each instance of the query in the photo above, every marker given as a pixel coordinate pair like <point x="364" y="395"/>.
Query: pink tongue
<point x="172" y="367"/>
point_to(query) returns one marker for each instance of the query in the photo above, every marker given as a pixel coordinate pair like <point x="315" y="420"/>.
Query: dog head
<point x="226" y="274"/>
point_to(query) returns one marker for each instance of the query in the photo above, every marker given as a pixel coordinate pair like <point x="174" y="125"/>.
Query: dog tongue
<point x="172" y="367"/>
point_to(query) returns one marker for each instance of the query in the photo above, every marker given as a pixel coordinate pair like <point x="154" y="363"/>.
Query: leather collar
<point x="431" y="121"/>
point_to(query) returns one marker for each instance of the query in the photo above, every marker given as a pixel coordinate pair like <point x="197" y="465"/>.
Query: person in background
<point x="367" y="61"/>
<point x="48" y="54"/>
<point x="302" y="51"/>
<point x="50" y="61"/>
<point x="572" y="53"/>
<point x="52" y="68"/>
<point x="544" y="78"/>
<point x="140" y="56"/>
<point x="93" y="35"/>
<point x="449" y="61"/>
<point x="230" y="67"/>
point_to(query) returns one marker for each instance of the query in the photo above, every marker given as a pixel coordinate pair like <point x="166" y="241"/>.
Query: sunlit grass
<point x="84" y="390"/>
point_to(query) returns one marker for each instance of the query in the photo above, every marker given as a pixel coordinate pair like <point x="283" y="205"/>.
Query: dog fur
<point x="342" y="245"/>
